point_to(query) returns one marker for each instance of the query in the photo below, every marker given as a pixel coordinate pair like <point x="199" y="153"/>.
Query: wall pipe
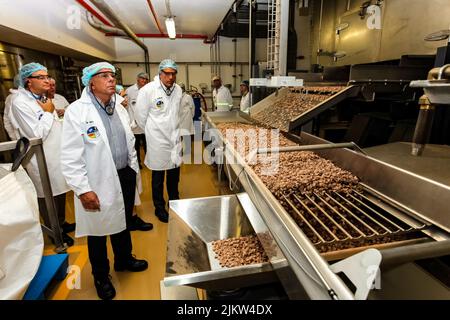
<point x="219" y="67"/>
<point x="234" y="64"/>
<point x="320" y="32"/>
<point x="187" y="77"/>
<point x="107" y="11"/>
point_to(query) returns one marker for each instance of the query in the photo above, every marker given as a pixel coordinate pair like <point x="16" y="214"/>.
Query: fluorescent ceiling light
<point x="170" y="27"/>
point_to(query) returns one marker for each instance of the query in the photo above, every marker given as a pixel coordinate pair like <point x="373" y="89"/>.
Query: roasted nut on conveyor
<point x="239" y="251"/>
<point x="295" y="103"/>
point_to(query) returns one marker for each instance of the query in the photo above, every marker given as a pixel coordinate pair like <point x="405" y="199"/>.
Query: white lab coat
<point x="245" y="103"/>
<point x="60" y="102"/>
<point x="33" y="122"/>
<point x="132" y="94"/>
<point x="222" y="99"/>
<point x="159" y="115"/>
<point x="187" y="111"/>
<point x="88" y="165"/>
<point x="8" y="119"/>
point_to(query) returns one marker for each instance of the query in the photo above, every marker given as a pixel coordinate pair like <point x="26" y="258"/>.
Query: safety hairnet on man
<point x="157" y="110"/>
<point x="100" y="166"/>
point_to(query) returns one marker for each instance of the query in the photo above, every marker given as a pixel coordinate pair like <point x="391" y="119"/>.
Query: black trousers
<point x="140" y="141"/>
<point x="173" y="177"/>
<point x="120" y="242"/>
<point x="60" y="204"/>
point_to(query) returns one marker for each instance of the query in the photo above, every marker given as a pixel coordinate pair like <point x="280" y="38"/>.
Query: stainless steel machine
<point x="408" y="210"/>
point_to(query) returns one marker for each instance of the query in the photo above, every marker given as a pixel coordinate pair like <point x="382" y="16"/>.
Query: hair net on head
<point x="28" y="69"/>
<point x="143" y="75"/>
<point x="119" y="88"/>
<point x="88" y="72"/>
<point x="245" y="83"/>
<point x="167" y="63"/>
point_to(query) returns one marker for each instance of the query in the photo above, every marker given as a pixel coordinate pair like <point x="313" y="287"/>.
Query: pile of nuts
<point x="303" y="174"/>
<point x="233" y="131"/>
<point x="298" y="172"/>
<point x="295" y="103"/>
<point x="234" y="252"/>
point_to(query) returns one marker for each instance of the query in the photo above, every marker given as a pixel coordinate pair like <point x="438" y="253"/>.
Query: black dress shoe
<point x="132" y="264"/>
<point x="67" y="239"/>
<point x="139" y="224"/>
<point x="105" y="288"/>
<point x="68" y="227"/>
<point x="162" y="215"/>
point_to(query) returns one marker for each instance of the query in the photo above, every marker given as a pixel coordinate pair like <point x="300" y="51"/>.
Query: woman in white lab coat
<point x="35" y="117"/>
<point x="157" y="110"/>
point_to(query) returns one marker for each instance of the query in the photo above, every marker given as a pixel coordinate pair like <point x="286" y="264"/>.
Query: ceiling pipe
<point x="111" y="31"/>
<point x="94" y="12"/>
<point x="155" y="17"/>
<point x="163" y="35"/>
<point x="102" y="27"/>
<point x="110" y="14"/>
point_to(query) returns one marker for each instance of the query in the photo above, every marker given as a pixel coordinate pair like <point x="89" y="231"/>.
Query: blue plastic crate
<point x="51" y="267"/>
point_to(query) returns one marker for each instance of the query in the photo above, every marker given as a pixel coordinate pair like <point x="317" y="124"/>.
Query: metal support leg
<point x="48" y="194"/>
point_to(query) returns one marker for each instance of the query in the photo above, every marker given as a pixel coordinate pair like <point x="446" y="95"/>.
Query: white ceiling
<point x="201" y="17"/>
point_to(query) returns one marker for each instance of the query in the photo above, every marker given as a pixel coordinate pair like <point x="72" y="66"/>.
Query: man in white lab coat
<point x="245" y="99"/>
<point x="8" y="120"/>
<point x="157" y="110"/>
<point x="59" y="101"/>
<point x="132" y="92"/>
<point x="222" y="99"/>
<point x="99" y="163"/>
<point x="35" y="117"/>
<point x="187" y="111"/>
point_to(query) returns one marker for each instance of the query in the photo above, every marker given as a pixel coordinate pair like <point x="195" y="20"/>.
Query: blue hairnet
<point x="28" y="69"/>
<point x="88" y="72"/>
<point x="119" y="88"/>
<point x="167" y="63"/>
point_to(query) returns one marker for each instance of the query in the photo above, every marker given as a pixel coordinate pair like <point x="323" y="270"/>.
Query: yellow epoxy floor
<point x="196" y="180"/>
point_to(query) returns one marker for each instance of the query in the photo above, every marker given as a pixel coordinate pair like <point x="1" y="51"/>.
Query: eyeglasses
<point x="173" y="74"/>
<point x="41" y="77"/>
<point x="105" y="74"/>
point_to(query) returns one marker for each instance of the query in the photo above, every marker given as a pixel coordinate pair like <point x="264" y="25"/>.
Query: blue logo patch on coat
<point x="92" y="132"/>
<point x="159" y="102"/>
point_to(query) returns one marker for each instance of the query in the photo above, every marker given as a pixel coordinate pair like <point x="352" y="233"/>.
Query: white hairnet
<point x="167" y="63"/>
<point x="28" y="69"/>
<point x="88" y="72"/>
<point x="143" y="75"/>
